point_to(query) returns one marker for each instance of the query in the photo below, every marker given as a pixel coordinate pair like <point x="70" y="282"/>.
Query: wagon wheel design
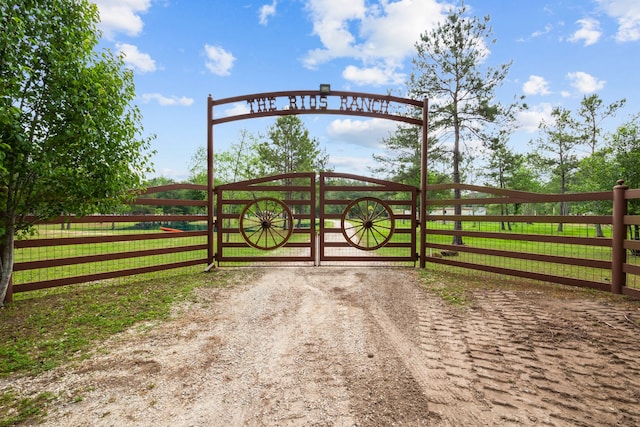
<point x="367" y="223"/>
<point x="266" y="223"/>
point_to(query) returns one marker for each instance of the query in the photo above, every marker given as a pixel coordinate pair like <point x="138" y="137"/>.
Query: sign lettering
<point x="370" y="104"/>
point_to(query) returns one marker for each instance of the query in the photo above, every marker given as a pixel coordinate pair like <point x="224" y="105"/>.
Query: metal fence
<point x="557" y="238"/>
<point x="70" y="250"/>
<point x="522" y="234"/>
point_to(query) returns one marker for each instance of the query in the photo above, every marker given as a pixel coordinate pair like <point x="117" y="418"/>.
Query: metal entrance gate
<point x="366" y="220"/>
<point x="267" y="219"/>
<point x="277" y="219"/>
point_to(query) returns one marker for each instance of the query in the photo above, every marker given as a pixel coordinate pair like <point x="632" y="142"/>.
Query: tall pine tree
<point x="450" y="69"/>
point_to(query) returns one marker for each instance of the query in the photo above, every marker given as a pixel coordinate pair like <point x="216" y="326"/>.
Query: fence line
<point x="71" y="250"/>
<point x="504" y="232"/>
<point x="526" y="246"/>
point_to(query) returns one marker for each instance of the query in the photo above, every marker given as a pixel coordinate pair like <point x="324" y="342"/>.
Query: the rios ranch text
<point x="319" y="102"/>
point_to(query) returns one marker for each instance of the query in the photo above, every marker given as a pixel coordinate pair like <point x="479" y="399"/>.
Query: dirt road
<point x="336" y="346"/>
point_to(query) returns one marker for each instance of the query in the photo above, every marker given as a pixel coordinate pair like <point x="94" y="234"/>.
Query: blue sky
<point x="183" y="50"/>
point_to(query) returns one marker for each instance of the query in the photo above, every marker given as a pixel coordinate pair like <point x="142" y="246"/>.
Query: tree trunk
<point x="563" y="209"/>
<point x="457" y="240"/>
<point x="457" y="209"/>
<point x="599" y="232"/>
<point x="6" y="264"/>
<point x="563" y="205"/>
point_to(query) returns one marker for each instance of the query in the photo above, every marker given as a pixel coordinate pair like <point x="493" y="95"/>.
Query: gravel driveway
<point x="347" y="346"/>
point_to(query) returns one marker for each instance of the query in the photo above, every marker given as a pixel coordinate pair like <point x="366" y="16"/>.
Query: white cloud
<point x="584" y="82"/>
<point x="121" y="16"/>
<point x="529" y="120"/>
<point x="391" y="30"/>
<point x="267" y="11"/>
<point x="136" y="59"/>
<point x="219" y="61"/>
<point x="352" y="164"/>
<point x="236" y="109"/>
<point x="589" y="32"/>
<point x="536" y="85"/>
<point x="547" y="30"/>
<point x="331" y="20"/>
<point x="379" y="35"/>
<point x="366" y="133"/>
<point x="167" y="101"/>
<point x="372" y="76"/>
<point x="627" y="13"/>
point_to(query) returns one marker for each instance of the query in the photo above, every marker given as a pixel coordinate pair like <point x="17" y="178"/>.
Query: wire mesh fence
<point x="70" y="250"/>
<point x="280" y="221"/>
<point x="523" y="235"/>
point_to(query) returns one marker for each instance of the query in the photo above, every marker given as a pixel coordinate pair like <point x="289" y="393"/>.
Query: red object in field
<point x="170" y="230"/>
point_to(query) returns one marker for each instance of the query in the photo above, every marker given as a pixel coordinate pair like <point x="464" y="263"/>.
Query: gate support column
<point x="210" y="184"/>
<point x="423" y="185"/>
<point x="619" y="233"/>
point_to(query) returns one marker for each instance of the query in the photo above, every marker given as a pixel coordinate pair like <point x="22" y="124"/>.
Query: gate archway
<point x="366" y="223"/>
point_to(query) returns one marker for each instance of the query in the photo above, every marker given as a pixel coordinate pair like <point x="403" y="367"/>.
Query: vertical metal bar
<point x="619" y="233"/>
<point x="219" y="224"/>
<point x="414" y="211"/>
<point x="312" y="208"/>
<point x="210" y="182"/>
<point x="423" y="184"/>
<point x="322" y="197"/>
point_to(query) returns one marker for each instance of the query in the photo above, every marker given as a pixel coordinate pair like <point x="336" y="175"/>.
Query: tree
<point x="626" y="151"/>
<point x="239" y="162"/>
<point x="592" y="174"/>
<point x="290" y="149"/>
<point x="449" y="70"/>
<point x="402" y="161"/>
<point x="556" y="150"/>
<point x="502" y="166"/>
<point x="596" y="172"/>
<point x="592" y="112"/>
<point x="625" y="143"/>
<point x="70" y="138"/>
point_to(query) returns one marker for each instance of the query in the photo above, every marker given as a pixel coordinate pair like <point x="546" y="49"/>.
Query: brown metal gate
<point x="275" y="219"/>
<point x="366" y="220"/>
<point x="269" y="219"/>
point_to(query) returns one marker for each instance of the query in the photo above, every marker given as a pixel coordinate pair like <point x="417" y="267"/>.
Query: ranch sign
<point x="323" y="101"/>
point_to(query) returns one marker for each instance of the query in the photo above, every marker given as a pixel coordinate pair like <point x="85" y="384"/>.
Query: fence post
<point x="211" y="222"/>
<point x="619" y="234"/>
<point x="423" y="184"/>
